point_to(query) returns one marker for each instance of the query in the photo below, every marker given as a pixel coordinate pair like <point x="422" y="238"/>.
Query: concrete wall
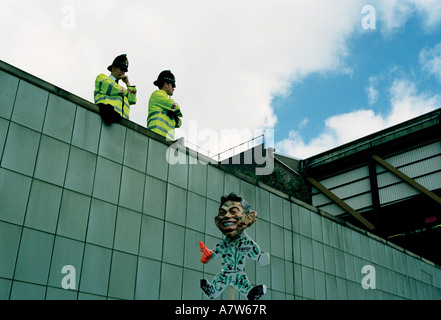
<point x="104" y="200"/>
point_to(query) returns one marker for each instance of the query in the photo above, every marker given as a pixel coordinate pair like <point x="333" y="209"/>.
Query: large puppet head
<point x="234" y="215"/>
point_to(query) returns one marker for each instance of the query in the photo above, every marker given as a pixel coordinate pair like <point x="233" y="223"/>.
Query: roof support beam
<point x="341" y="203"/>
<point x="406" y="178"/>
<point x="375" y="196"/>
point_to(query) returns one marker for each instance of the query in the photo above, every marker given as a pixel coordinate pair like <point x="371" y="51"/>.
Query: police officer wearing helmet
<point x="164" y="114"/>
<point x="113" y="100"/>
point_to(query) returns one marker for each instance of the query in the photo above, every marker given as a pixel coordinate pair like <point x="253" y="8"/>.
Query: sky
<point x="309" y="74"/>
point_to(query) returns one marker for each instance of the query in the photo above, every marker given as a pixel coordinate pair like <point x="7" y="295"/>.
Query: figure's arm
<point x="262" y="257"/>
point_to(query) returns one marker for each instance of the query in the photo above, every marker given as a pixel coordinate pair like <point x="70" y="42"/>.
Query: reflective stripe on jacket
<point x="108" y="91"/>
<point x="163" y="115"/>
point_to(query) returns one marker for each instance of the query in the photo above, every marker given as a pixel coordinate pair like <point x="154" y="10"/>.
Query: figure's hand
<point x="264" y="259"/>
<point x="206" y="253"/>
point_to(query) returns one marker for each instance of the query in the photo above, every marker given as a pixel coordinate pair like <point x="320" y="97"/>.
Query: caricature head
<point x="234" y="215"/>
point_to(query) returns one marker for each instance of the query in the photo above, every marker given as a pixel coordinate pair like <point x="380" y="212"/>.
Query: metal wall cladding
<point x="332" y="209"/>
<point x="342" y="184"/>
<point x="404" y="190"/>
<point x="396" y="192"/>
<point x="346" y="177"/>
<point x="353" y="187"/>
<point x="416" y="154"/>
<point x="423" y="171"/>
<point x="346" y="191"/>
<point x="422" y="164"/>
<point x="358" y="202"/>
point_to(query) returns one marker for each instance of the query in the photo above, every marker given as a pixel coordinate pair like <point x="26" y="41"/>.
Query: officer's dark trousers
<point x="108" y="114"/>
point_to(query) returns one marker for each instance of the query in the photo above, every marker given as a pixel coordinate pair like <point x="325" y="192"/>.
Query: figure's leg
<point x="241" y="283"/>
<point x="218" y="285"/>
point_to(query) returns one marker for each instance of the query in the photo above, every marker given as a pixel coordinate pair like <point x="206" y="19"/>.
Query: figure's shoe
<point x="207" y="288"/>
<point x="257" y="292"/>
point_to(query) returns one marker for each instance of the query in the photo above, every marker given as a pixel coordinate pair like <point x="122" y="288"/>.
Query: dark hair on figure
<point x="234" y="197"/>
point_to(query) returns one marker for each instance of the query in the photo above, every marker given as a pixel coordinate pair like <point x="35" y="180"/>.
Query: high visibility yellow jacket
<point x="107" y="91"/>
<point x="164" y="114"/>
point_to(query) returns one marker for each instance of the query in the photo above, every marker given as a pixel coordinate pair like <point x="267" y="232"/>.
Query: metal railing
<point x="242" y="147"/>
<point x="198" y="149"/>
<point x="231" y="152"/>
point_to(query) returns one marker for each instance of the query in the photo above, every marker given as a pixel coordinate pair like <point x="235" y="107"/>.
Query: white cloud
<point x="408" y="103"/>
<point x="337" y="130"/>
<point x="430" y="11"/>
<point x="230" y="58"/>
<point x="303" y="123"/>
<point x="372" y="94"/>
<point x="405" y="103"/>
<point x="430" y="59"/>
<point x="393" y="14"/>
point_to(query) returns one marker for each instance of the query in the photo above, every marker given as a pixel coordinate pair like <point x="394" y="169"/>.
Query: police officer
<point x="113" y="100"/>
<point x="164" y="114"/>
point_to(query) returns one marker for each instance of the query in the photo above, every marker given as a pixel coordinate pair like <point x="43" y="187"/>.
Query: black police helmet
<point x="121" y="62"/>
<point x="165" y="77"/>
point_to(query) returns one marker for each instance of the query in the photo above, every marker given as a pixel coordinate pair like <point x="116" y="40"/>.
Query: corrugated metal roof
<point x="346" y="177"/>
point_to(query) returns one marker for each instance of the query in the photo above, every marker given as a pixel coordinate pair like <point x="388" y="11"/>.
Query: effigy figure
<point x="234" y="216"/>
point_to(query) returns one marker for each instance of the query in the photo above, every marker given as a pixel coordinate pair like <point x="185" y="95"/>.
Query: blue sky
<point x="376" y="58"/>
<point x="305" y="72"/>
